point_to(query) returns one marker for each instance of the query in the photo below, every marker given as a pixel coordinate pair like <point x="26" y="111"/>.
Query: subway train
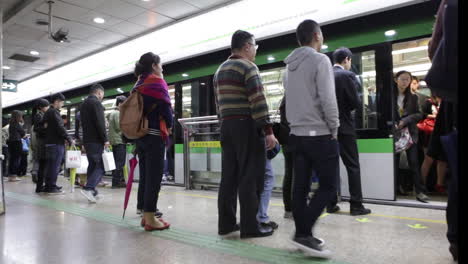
<point x="383" y="43"/>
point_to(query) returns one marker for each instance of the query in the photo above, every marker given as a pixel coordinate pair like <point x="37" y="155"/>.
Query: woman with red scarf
<point x="150" y="148"/>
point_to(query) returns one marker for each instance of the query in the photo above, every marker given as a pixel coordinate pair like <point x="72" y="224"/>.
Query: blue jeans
<point x="54" y="157"/>
<point x="262" y="214"/>
<point x="96" y="166"/>
<point x="321" y="155"/>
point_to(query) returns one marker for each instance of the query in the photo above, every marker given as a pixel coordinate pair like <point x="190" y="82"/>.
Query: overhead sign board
<point x="199" y="35"/>
<point x="9" y="86"/>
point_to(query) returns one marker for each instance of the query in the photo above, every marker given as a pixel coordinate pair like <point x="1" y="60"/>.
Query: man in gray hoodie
<point x="312" y="112"/>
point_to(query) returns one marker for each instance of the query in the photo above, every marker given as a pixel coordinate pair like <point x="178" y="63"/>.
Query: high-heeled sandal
<point x="153" y="228"/>
<point x="143" y="222"/>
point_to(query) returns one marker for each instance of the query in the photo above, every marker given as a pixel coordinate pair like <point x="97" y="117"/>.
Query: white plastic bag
<point x="108" y="160"/>
<point x="83" y="169"/>
<point x="73" y="159"/>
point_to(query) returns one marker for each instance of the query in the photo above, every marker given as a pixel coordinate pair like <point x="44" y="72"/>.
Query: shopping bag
<point x="108" y="160"/>
<point x="403" y="140"/>
<point x="73" y="159"/>
<point x="83" y="169"/>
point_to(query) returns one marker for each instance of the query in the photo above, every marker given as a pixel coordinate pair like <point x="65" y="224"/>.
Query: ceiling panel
<point x="147" y="4"/>
<point x="120" y="9"/>
<point x="207" y="3"/>
<point x="79" y="30"/>
<point x="127" y="28"/>
<point x="88" y="18"/>
<point x="150" y="19"/>
<point x="23" y="32"/>
<point x="176" y="9"/>
<point x="90" y="4"/>
<point x="64" y="10"/>
<point x="105" y="37"/>
<point x="14" y="41"/>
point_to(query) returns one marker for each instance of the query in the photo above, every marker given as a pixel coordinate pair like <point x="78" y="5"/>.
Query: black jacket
<point x="347" y="87"/>
<point x="55" y="129"/>
<point x="38" y="123"/>
<point x="411" y="114"/>
<point x="93" y="121"/>
<point x="15" y="132"/>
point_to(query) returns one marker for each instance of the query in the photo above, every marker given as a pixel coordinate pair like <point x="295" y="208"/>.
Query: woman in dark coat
<point x="16" y="133"/>
<point x="408" y="114"/>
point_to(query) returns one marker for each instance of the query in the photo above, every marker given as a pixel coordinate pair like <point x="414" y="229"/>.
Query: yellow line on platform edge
<point x="323" y="215"/>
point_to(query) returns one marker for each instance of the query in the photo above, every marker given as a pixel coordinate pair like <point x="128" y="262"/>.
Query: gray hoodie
<point x="311" y="107"/>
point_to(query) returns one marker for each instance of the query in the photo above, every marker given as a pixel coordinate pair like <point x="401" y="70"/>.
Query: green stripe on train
<point x="375" y="145"/>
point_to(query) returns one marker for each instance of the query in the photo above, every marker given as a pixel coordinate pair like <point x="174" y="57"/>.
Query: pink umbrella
<point x="133" y="162"/>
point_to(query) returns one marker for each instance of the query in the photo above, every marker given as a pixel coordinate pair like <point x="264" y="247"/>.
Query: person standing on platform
<point x="245" y="129"/>
<point x="56" y="135"/>
<point x="94" y="139"/>
<point x="15" y="134"/>
<point x="39" y="134"/>
<point x="312" y="113"/>
<point x="347" y="87"/>
<point x="118" y="147"/>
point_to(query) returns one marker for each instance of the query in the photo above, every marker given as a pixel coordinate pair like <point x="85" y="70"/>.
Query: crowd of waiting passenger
<point x="316" y="128"/>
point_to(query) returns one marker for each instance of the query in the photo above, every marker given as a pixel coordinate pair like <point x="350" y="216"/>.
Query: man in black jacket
<point x="94" y="139"/>
<point x="55" y="138"/>
<point x="346" y="93"/>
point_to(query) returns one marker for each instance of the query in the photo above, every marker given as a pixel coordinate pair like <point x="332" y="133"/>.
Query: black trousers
<point x="288" y="178"/>
<point x="16" y="150"/>
<point x="320" y="154"/>
<point x="413" y="163"/>
<point x="151" y="160"/>
<point x="23" y="164"/>
<point x="350" y="157"/>
<point x="41" y="171"/>
<point x="120" y="154"/>
<point x="243" y="173"/>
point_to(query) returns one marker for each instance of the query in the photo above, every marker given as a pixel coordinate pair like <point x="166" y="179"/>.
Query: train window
<point x="171" y="90"/>
<point x="363" y="65"/>
<point x="187" y="100"/>
<point x="272" y="81"/>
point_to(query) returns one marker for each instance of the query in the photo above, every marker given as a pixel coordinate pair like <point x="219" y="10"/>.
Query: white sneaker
<point x="89" y="195"/>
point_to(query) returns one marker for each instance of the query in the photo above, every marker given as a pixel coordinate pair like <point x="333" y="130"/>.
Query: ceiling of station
<point x="124" y="20"/>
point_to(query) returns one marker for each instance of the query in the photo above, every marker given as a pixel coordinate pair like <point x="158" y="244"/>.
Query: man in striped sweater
<point x="245" y="130"/>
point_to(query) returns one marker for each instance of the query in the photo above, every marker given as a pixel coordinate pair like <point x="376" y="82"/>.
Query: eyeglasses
<point x="256" y="46"/>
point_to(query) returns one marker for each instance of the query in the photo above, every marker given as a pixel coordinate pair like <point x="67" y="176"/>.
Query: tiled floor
<point x="66" y="229"/>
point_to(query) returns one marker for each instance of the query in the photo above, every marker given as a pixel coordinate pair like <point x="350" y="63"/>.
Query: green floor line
<point x="233" y="247"/>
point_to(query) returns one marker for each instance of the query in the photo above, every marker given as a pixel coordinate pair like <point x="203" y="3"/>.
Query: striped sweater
<point x="239" y="92"/>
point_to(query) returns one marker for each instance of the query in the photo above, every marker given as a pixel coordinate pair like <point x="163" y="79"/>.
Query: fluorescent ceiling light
<point x="390" y="33"/>
<point x="33" y="52"/>
<point x="202" y="36"/>
<point x="6" y="67"/>
<point x="395" y="52"/>
<point x="324" y="47"/>
<point x="414" y="68"/>
<point x="99" y="20"/>
<point x="120" y="90"/>
<point x="271" y="58"/>
<point x="185" y="75"/>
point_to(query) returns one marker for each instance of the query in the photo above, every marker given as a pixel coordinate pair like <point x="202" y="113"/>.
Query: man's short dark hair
<point x="95" y="87"/>
<point x="305" y="30"/>
<point x="239" y="38"/>
<point x="120" y="99"/>
<point x="57" y="97"/>
<point x="341" y="54"/>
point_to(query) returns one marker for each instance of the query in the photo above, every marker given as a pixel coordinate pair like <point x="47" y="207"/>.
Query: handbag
<point x="403" y="140"/>
<point x="108" y="160"/>
<point x="73" y="159"/>
<point x="426" y="125"/>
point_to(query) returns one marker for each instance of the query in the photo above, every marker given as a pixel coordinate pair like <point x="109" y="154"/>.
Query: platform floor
<point x="42" y="229"/>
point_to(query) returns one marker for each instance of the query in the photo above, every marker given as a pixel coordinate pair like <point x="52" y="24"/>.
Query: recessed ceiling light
<point x="6" y="67"/>
<point x="271" y="58"/>
<point x="390" y="33"/>
<point x="324" y="46"/>
<point x="99" y="20"/>
<point x="185" y="75"/>
<point x="33" y="52"/>
<point x="145" y="0"/>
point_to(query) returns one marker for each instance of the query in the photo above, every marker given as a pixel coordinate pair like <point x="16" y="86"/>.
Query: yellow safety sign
<point x="205" y="144"/>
